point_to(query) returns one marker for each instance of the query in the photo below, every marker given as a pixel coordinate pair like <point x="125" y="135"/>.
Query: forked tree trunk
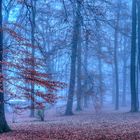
<point x="76" y="30"/>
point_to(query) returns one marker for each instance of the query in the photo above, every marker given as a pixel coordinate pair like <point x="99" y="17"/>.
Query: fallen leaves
<point x="104" y="126"/>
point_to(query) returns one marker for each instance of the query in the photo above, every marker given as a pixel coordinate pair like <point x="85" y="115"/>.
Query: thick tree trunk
<point x="138" y="62"/>
<point x="76" y="30"/>
<point x="5" y="58"/>
<point x="134" y="94"/>
<point x="79" y="90"/>
<point x="3" y="124"/>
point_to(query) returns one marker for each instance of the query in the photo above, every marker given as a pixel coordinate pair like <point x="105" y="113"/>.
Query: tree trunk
<point x="138" y="2"/>
<point x="113" y="85"/>
<point x="3" y="124"/>
<point x="86" y="71"/>
<point x="116" y="58"/>
<point x="116" y="72"/>
<point x="100" y="64"/>
<point x="79" y="90"/>
<point x="134" y="94"/>
<point x="76" y="30"/>
<point x="124" y="74"/>
<point x="33" y="4"/>
<point x="100" y="79"/>
<point x="138" y="62"/>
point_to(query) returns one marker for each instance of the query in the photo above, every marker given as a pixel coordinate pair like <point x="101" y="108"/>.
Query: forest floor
<point x="81" y="126"/>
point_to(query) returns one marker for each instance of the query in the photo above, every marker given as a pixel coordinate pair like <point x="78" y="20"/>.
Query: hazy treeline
<point x="91" y="45"/>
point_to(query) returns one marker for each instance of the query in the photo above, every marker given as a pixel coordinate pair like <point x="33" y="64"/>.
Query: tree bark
<point x="76" y="30"/>
<point x="3" y="124"/>
<point x="134" y="94"/>
<point x="79" y="90"/>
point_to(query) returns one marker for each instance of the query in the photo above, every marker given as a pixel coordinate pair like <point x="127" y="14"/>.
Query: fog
<point x="69" y="69"/>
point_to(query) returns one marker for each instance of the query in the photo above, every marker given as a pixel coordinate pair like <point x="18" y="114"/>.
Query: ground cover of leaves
<point x="82" y="126"/>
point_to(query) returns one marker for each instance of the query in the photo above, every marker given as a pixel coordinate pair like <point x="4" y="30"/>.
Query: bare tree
<point x="75" y="39"/>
